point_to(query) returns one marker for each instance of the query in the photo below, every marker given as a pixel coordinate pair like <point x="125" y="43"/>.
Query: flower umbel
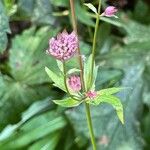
<point x="74" y="83"/>
<point x="91" y="94"/>
<point x="64" y="46"/>
<point x="110" y="11"/>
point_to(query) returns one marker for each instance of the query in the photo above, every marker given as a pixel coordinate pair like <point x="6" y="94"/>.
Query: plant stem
<point x="87" y="107"/>
<point x="74" y="23"/>
<point x="90" y="126"/>
<point x="94" y="40"/>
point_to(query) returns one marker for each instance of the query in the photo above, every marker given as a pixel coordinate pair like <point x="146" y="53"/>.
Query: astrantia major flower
<point x="74" y="83"/>
<point x="64" y="46"/>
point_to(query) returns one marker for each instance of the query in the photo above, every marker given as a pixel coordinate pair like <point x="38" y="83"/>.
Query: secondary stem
<point x="74" y="23"/>
<point x="87" y="107"/>
<point x="94" y="40"/>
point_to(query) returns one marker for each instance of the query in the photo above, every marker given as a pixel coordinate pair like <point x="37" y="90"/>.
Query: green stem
<point x="94" y="40"/>
<point x="90" y="126"/>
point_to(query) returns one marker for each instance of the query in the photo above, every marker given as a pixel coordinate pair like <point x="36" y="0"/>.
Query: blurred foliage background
<point x="28" y="118"/>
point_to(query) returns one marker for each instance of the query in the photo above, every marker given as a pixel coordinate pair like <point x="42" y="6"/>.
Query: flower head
<point x="74" y="83"/>
<point x="64" y="46"/>
<point x="110" y="11"/>
<point x="91" y="94"/>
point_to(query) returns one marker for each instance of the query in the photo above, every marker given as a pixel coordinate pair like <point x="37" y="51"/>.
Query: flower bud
<point x="110" y="11"/>
<point x="91" y="94"/>
<point x="64" y="46"/>
<point x="74" y="83"/>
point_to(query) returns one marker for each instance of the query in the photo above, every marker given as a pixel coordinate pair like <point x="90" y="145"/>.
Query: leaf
<point x="58" y="3"/>
<point x="35" y="109"/>
<point x="112" y="21"/>
<point x="87" y="74"/>
<point x="90" y="6"/>
<point x="40" y="11"/>
<point x="4" y="28"/>
<point x="10" y="6"/>
<point x="58" y="80"/>
<point x="27" y="60"/>
<point x="49" y="142"/>
<point x="110" y="91"/>
<point x="60" y="65"/>
<point x="135" y="31"/>
<point x="34" y="130"/>
<point x="68" y="102"/>
<point x="82" y="16"/>
<point x="112" y="100"/>
<point x="74" y="70"/>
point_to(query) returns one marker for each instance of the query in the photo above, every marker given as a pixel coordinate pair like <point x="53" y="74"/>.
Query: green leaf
<point x="60" y="65"/>
<point x="35" y="109"/>
<point x="68" y="102"/>
<point x="27" y="60"/>
<point x="90" y="6"/>
<point x="74" y="70"/>
<point x="114" y="101"/>
<point x="40" y="11"/>
<point x="4" y="28"/>
<point x="82" y="16"/>
<point x="113" y="21"/>
<point x="60" y="3"/>
<point x="58" y="80"/>
<point x="49" y="142"/>
<point x="135" y="32"/>
<point x="111" y="91"/>
<point x="35" y="129"/>
<point x="87" y="74"/>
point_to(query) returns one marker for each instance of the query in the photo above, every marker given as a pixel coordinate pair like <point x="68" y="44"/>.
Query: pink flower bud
<point x="74" y="83"/>
<point x="64" y="46"/>
<point x="110" y="11"/>
<point x="91" y="94"/>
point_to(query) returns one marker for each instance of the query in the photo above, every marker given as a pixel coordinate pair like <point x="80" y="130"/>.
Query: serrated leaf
<point x="110" y="91"/>
<point x="68" y="102"/>
<point x="58" y="80"/>
<point x="90" y="6"/>
<point x="114" y="101"/>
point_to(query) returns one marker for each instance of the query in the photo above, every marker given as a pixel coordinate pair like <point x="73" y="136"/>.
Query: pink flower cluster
<point x="64" y="46"/>
<point x="74" y="83"/>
